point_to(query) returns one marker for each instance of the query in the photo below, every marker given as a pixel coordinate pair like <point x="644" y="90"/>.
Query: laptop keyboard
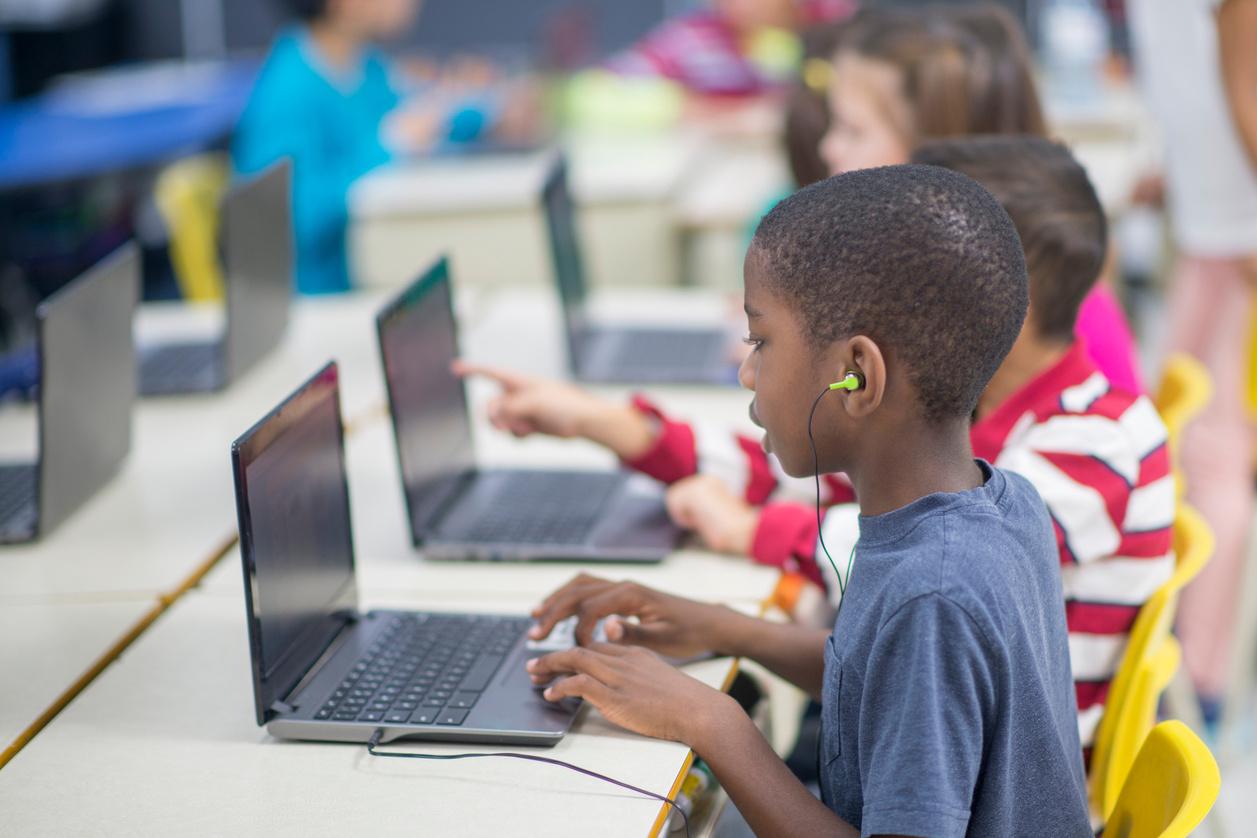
<point x="179" y="368"/>
<point x="648" y="349"/>
<point x="424" y="671"/>
<point x="544" y="508"/>
<point x="17" y="498"/>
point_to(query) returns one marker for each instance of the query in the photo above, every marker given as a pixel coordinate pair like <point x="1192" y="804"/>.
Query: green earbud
<point x="851" y="381"/>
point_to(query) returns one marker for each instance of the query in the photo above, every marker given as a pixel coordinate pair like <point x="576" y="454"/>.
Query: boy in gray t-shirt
<point x="880" y="302"/>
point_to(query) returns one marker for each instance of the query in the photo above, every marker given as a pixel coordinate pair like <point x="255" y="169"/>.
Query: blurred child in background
<point x="732" y="48"/>
<point x="1197" y="64"/>
<point x="329" y="99"/>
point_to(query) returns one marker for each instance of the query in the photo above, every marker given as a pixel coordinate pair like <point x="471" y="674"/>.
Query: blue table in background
<point x="120" y="119"/>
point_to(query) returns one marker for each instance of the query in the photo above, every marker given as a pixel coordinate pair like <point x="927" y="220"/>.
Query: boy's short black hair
<point x="921" y="259"/>
<point x="306" y="9"/>
<point x="1047" y="194"/>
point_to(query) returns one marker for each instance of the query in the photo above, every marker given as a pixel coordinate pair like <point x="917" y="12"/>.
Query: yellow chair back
<point x="187" y="194"/>
<point x="1151" y="657"/>
<point x="1172" y="786"/>
<point x="1186" y="387"/>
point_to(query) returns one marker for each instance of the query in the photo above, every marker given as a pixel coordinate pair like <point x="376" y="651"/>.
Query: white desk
<point x="485" y="210"/>
<point x="164" y="739"/>
<point x="47" y="647"/>
<point x="174" y="501"/>
<point x="165" y="742"/>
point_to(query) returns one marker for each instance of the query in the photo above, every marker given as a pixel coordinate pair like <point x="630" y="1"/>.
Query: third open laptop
<point x="257" y="257"/>
<point x="606" y="353"/>
<point x="85" y="392"/>
<point x="459" y="511"/>
<point x="321" y="668"/>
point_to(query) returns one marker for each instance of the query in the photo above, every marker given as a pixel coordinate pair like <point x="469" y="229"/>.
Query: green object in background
<point x="777" y="53"/>
<point x="598" y="99"/>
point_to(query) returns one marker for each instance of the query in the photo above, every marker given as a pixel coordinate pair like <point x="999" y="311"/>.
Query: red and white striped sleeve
<point x="1100" y="463"/>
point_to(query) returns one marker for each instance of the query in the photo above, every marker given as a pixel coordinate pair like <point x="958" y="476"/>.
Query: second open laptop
<point x="321" y="668"/>
<point x="458" y="511"/>
<point x="608" y="353"/>
<point x="86" y="389"/>
<point x="257" y="257"/>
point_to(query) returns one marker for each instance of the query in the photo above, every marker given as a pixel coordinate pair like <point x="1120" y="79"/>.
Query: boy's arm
<point x="679" y="627"/>
<point x="1237" y="33"/>
<point x="636" y="690"/>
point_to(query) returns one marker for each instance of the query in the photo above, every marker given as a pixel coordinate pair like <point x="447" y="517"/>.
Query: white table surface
<point x="47" y="647"/>
<point x="174" y="501"/>
<point x="165" y="742"/>
<point x="173" y="715"/>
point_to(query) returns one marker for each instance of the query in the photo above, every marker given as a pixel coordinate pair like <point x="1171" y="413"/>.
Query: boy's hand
<point x="704" y="504"/>
<point x="670" y="625"/>
<point x="633" y="688"/>
<point x="533" y="405"/>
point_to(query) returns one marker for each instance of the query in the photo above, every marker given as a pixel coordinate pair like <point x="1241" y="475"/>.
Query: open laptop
<point x="257" y="256"/>
<point x="86" y="387"/>
<point x="605" y="353"/>
<point x="322" y="669"/>
<point x="458" y="511"/>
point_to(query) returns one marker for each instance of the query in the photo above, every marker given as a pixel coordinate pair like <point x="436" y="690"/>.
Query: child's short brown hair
<point x="1059" y="218"/>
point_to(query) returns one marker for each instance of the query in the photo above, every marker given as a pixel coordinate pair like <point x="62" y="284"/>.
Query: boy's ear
<point x="862" y="355"/>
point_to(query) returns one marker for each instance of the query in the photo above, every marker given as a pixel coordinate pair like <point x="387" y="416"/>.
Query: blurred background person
<point x="1197" y="64"/>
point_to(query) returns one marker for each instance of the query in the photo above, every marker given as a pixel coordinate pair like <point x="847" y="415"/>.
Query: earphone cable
<point x="379" y="734"/>
<point x="820" y="532"/>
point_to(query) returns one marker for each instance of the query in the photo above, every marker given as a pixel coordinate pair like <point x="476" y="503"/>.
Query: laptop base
<point x="19" y="503"/>
<point x="655" y="356"/>
<point x="495" y="703"/>
<point x="621" y="518"/>
<point x="181" y="368"/>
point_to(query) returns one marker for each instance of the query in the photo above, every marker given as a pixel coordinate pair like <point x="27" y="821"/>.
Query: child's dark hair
<point x="920" y="259"/>
<point x="1048" y="196"/>
<point x="306" y="9"/>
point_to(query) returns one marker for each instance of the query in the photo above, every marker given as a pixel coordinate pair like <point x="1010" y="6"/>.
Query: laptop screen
<point x="87" y="383"/>
<point x="418" y="342"/>
<point x="569" y="270"/>
<point x="258" y="256"/>
<point x="295" y="540"/>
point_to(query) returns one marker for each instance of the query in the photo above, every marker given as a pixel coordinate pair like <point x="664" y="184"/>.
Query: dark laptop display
<point x="256" y="235"/>
<point x="322" y="670"/>
<point x="459" y="511"/>
<point x="86" y="387"/>
<point x="622" y="354"/>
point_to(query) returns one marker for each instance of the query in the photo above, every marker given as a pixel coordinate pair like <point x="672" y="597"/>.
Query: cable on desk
<point x="379" y="734"/>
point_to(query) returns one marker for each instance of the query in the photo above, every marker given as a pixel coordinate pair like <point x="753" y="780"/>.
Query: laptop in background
<point x="458" y="511"/>
<point x="256" y="235"/>
<point x="609" y="354"/>
<point x="86" y="387"/>
<point x="323" y="670"/>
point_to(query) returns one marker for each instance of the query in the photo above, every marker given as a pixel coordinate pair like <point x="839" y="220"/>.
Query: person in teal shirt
<point x="322" y="99"/>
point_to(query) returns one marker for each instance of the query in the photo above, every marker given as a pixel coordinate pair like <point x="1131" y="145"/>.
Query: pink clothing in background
<point x="1210" y="317"/>
<point x="1103" y="329"/>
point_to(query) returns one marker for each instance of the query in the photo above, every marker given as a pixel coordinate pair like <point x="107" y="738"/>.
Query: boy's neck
<point x="339" y="45"/>
<point x="911" y="462"/>
<point x="1029" y="358"/>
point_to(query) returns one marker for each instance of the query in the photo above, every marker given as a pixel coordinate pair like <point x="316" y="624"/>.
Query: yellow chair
<point x="1151" y="658"/>
<point x="1186" y="387"/>
<point x="1172" y="786"/>
<point x="187" y="195"/>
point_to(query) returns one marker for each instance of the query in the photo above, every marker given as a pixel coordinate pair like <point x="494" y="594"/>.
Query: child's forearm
<point x="771" y="799"/>
<point x="622" y="429"/>
<point x="794" y="652"/>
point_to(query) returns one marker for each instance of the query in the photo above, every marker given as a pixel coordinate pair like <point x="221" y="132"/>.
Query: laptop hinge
<point x="282" y="708"/>
<point x="349" y="618"/>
